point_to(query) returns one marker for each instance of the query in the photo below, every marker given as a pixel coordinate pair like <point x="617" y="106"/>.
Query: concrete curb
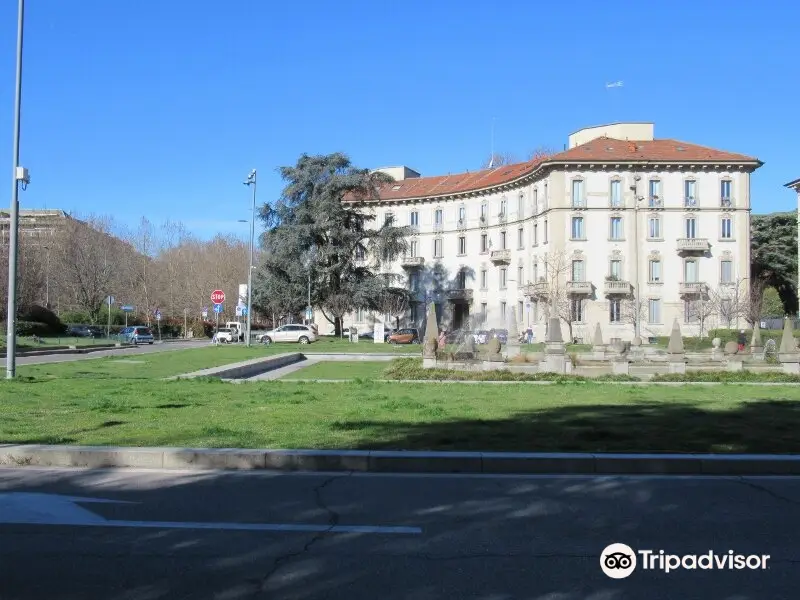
<point x="586" y="382"/>
<point x="382" y="461"/>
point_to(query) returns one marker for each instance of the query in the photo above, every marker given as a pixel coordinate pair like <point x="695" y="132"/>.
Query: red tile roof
<point x="600" y="150"/>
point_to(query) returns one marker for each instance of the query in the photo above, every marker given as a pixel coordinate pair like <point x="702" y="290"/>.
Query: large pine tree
<point x="322" y="226"/>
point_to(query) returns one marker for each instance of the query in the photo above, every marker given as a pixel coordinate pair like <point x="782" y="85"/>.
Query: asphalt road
<point x="422" y="537"/>
<point x="163" y="347"/>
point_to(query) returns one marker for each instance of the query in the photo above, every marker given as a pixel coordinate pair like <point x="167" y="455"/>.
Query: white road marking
<point x="21" y="508"/>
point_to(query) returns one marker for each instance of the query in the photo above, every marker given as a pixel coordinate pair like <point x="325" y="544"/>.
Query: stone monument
<point x="431" y="342"/>
<point x="756" y="345"/>
<point x="598" y="348"/>
<point x="512" y="345"/>
<point x="555" y="352"/>
<point x="675" y="350"/>
<point x="788" y="353"/>
<point x="716" y="351"/>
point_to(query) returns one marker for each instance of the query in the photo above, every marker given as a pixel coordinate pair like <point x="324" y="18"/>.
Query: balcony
<point x="692" y="288"/>
<point x="462" y="224"/>
<point x="615" y="286"/>
<point x="501" y="218"/>
<point x="693" y="245"/>
<point x="536" y="290"/>
<point x="500" y="257"/>
<point x="459" y="295"/>
<point x="412" y="262"/>
<point x="579" y="287"/>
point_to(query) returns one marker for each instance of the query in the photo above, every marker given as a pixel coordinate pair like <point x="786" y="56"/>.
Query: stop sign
<point x="218" y="296"/>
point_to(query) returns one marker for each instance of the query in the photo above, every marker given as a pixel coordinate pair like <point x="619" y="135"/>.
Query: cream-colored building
<point x="618" y="226"/>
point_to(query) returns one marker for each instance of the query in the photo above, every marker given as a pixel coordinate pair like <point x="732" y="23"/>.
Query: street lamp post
<point x="19" y="176"/>
<point x="251" y="181"/>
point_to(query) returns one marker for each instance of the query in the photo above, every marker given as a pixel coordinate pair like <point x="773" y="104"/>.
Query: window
<point x="503" y="278"/>
<point x="614" y="310"/>
<point x="691" y="227"/>
<point x="483" y="279"/>
<point x="545" y="231"/>
<point x="520" y="311"/>
<point x="388" y="220"/>
<point x="461" y="280"/>
<point x="577" y="193"/>
<point x="503" y="207"/>
<point x="577" y="228"/>
<point x="535" y="271"/>
<point x="503" y="310"/>
<point x="361" y="254"/>
<point x="462" y="215"/>
<point x="414" y="219"/>
<point x="484" y="243"/>
<point x="689" y="192"/>
<point x="654" y="310"/>
<point x="725" y="192"/>
<point x="690" y="271"/>
<point x="414" y="244"/>
<point x="544" y="200"/>
<point x="654" y="271"/>
<point x="462" y="244"/>
<point x="484" y="210"/>
<point x="437" y="248"/>
<point x="520" y="206"/>
<point x="576" y="310"/>
<point x="484" y="310"/>
<point x="503" y="240"/>
<point x="616" y="228"/>
<point x="520" y="238"/>
<point x="520" y="275"/>
<point x="535" y="201"/>
<point x="535" y="234"/>
<point x="578" y="271"/>
<point x="691" y="313"/>
<point x="616" y="193"/>
<point x="615" y="270"/>
<point x="413" y="281"/>
<point x="726" y="233"/>
<point x="438" y="217"/>
<point x="415" y="312"/>
<point x="726" y="271"/>
<point x="654" y="193"/>
<point x="361" y="315"/>
<point x="654" y="228"/>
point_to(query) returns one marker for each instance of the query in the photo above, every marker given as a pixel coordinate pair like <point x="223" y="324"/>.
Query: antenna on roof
<point x="491" y="156"/>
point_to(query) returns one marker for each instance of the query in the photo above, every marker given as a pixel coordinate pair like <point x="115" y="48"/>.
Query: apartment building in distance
<point x="618" y="228"/>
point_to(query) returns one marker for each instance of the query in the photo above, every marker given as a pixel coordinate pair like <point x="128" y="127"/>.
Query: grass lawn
<point x="111" y="401"/>
<point x="341" y="370"/>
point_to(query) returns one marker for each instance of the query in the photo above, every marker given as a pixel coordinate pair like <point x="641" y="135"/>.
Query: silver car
<point x="138" y="335"/>
<point x="299" y="334"/>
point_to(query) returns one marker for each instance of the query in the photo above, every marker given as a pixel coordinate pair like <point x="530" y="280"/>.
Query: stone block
<point x="734" y="365"/>
<point x="428" y="363"/>
<point x="512" y="351"/>
<point x="790" y="366"/>
<point x="512" y="462"/>
<point x="677" y="366"/>
<point x="620" y="367"/>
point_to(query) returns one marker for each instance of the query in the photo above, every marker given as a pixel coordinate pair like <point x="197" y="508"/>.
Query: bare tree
<point x="499" y="159"/>
<point x="699" y="310"/>
<point x="560" y="303"/>
<point x="732" y="302"/>
<point x="394" y="302"/>
<point x="633" y="312"/>
<point x="30" y="274"/>
<point x="541" y="152"/>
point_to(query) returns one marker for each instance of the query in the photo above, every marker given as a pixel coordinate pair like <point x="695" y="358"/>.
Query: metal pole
<point x="308" y="319"/>
<point x="11" y="341"/>
<point x="250" y="268"/>
<point x="108" y="328"/>
<point x="185" y="323"/>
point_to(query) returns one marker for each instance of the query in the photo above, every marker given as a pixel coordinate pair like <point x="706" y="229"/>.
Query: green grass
<point x="341" y="370"/>
<point x="112" y="402"/>
<point x="28" y="342"/>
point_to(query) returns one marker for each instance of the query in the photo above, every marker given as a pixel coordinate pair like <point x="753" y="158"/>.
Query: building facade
<point x="620" y="229"/>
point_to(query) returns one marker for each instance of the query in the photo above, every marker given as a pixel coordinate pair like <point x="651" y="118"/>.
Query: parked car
<point x="227" y="335"/>
<point x="408" y="335"/>
<point x="137" y="335"/>
<point x="500" y="334"/>
<point x="86" y="331"/>
<point x="299" y="334"/>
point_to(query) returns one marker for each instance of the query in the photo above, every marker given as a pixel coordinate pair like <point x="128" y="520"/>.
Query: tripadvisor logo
<point x="618" y="561"/>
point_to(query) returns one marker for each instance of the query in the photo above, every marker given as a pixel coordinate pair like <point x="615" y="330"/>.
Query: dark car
<point x="85" y="331"/>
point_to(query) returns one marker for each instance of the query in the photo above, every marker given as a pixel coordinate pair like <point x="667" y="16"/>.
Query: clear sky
<point x="161" y="108"/>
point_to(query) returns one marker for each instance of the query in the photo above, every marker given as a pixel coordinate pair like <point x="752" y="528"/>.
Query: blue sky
<point x="162" y="108"/>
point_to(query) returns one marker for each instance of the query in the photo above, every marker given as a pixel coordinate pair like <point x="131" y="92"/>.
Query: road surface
<point x="385" y="537"/>
<point x="146" y="349"/>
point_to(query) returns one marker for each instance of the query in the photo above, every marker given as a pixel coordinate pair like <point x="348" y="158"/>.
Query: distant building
<point x="34" y="223"/>
<point x="621" y="210"/>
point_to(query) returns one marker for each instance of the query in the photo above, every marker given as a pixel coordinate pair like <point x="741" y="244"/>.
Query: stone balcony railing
<point x="579" y="287"/>
<point x="615" y="286"/>
<point x="536" y="290"/>
<point x="412" y="262"/>
<point x="500" y="256"/>
<point x="693" y="244"/>
<point x="459" y="294"/>
<point x="691" y="288"/>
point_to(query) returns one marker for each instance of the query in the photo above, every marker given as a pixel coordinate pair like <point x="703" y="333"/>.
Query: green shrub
<point x="43" y="316"/>
<point x="26" y="328"/>
<point x="729" y="377"/>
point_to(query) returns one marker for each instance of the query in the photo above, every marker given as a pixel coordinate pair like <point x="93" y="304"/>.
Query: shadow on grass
<point x="759" y="426"/>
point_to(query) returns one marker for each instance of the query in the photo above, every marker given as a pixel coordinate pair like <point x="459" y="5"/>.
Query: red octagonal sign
<point x="218" y="296"/>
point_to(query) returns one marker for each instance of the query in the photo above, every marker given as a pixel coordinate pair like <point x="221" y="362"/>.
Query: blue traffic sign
<point x="244" y="311"/>
<point x="218" y="308"/>
<point x="128" y="308"/>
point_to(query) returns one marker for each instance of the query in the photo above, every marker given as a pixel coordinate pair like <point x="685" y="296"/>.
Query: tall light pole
<point x="19" y="176"/>
<point x="251" y="181"/>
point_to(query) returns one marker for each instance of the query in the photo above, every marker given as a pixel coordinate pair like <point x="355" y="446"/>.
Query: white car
<point x="226" y="335"/>
<point x="299" y="334"/>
